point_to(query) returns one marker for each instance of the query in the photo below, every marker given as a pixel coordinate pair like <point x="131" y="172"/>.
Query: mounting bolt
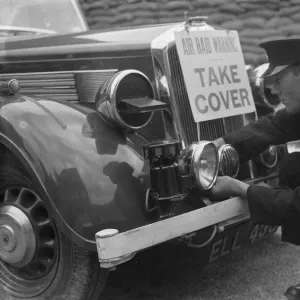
<point x="220" y="228"/>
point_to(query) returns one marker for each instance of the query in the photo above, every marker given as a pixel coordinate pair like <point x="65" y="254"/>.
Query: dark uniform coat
<point x="272" y="206"/>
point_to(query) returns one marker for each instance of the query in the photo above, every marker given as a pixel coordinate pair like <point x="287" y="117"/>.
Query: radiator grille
<point x="70" y="86"/>
<point x="89" y="83"/>
<point x="209" y="130"/>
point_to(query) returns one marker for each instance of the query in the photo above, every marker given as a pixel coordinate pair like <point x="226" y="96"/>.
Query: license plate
<point x="237" y="237"/>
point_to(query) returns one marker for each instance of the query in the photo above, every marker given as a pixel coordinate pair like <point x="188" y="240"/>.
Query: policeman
<point x="266" y="205"/>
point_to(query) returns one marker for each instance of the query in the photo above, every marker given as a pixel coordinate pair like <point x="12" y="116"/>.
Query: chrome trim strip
<point x="235" y="220"/>
<point x="60" y="72"/>
<point x="73" y="49"/>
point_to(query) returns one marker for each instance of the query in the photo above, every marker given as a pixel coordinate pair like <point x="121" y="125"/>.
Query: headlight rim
<point x="188" y="162"/>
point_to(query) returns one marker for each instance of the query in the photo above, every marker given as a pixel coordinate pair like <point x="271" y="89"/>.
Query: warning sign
<point x="214" y="72"/>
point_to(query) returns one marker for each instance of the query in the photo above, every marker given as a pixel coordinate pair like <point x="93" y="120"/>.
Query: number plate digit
<point x="254" y="233"/>
<point x="263" y="229"/>
<point x="272" y="229"/>
<point x="259" y="231"/>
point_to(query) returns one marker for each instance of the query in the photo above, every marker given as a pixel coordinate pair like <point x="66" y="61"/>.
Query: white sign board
<point x="214" y="72"/>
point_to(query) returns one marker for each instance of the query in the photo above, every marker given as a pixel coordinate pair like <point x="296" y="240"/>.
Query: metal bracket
<point x="199" y="20"/>
<point x="293" y="146"/>
<point x="112" y="263"/>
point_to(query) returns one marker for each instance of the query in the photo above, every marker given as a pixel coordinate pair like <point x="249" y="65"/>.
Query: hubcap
<point x="7" y="237"/>
<point x="28" y="239"/>
<point x="29" y="243"/>
<point x="17" y="238"/>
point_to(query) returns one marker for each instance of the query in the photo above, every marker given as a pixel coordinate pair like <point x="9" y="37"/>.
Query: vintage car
<point x="101" y="158"/>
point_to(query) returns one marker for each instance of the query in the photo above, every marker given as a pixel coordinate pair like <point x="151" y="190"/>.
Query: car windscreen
<point x="61" y="16"/>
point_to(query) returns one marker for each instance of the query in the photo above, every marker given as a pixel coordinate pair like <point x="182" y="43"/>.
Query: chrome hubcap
<point x="17" y="238"/>
<point x="29" y="244"/>
<point x="8" y="238"/>
<point x="28" y="241"/>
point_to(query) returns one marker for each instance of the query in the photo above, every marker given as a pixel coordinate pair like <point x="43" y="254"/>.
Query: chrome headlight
<point x="269" y="157"/>
<point x="201" y="161"/>
<point x="229" y="161"/>
<point x="126" y="84"/>
<point x="262" y="88"/>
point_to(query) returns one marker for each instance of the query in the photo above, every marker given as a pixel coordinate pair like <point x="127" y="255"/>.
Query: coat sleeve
<point x="276" y="129"/>
<point x="274" y="206"/>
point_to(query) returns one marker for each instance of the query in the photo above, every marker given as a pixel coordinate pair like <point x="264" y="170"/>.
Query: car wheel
<point x="36" y="260"/>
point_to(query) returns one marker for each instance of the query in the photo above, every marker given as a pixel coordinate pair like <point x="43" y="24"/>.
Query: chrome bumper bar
<point x="115" y="248"/>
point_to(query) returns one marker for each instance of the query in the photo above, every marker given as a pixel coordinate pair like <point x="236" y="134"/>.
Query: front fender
<point x="90" y="175"/>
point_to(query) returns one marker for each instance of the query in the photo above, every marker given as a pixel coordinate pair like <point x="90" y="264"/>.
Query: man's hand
<point x="219" y="142"/>
<point x="226" y="187"/>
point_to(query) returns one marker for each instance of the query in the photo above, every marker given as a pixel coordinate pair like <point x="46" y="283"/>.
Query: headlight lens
<point x="201" y="161"/>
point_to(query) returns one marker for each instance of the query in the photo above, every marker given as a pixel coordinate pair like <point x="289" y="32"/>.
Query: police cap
<point x="281" y="54"/>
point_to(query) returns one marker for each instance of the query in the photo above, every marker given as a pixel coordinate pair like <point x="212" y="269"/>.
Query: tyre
<point x="36" y="260"/>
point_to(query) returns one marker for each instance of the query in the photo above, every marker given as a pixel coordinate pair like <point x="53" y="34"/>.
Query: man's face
<point x="286" y="85"/>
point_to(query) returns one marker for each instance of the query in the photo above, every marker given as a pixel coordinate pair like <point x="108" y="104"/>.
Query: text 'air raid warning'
<point x="214" y="73"/>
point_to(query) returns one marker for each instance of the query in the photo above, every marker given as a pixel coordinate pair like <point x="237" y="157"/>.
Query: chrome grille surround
<point x="164" y="55"/>
<point x="73" y="86"/>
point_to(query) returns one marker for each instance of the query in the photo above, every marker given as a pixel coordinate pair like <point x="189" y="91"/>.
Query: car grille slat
<point x="88" y="84"/>
<point x="46" y="91"/>
<point x="208" y="130"/>
<point x="48" y="83"/>
<point x="70" y="86"/>
<point x="182" y="101"/>
<point x="38" y="76"/>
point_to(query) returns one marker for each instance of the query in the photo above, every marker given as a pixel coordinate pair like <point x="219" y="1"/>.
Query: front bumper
<point x="115" y="248"/>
